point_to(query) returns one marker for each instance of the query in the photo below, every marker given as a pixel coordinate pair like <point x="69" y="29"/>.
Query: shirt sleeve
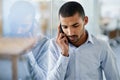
<point x="57" y="65"/>
<point x="109" y="64"/>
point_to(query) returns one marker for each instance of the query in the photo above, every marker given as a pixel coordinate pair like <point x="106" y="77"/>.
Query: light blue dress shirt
<point x="85" y="62"/>
<point x="38" y="60"/>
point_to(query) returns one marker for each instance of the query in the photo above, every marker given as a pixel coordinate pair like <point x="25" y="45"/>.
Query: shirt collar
<point x="90" y="38"/>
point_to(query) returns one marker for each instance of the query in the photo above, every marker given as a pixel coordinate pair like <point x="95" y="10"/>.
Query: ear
<point x="85" y="20"/>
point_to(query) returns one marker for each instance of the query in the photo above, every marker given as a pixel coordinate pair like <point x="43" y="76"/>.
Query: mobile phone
<point x="61" y="31"/>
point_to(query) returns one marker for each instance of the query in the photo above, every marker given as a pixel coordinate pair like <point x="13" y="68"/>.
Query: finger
<point x="61" y="36"/>
<point x="64" y="40"/>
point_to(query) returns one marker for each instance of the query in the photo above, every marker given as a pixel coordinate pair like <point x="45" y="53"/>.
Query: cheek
<point x="74" y="31"/>
<point x="79" y="31"/>
<point x="65" y="32"/>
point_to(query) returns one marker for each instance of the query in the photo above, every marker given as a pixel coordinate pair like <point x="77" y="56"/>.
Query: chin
<point x="73" y="42"/>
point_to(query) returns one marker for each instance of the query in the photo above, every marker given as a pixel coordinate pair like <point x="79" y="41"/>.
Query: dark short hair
<point x="70" y="8"/>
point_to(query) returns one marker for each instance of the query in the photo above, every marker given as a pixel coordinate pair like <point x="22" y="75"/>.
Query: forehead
<point x="71" y="20"/>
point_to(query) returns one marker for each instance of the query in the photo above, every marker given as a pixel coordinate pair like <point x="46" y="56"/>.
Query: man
<point x="77" y="55"/>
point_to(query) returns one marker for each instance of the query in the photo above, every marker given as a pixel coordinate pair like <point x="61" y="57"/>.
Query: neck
<point x="82" y="39"/>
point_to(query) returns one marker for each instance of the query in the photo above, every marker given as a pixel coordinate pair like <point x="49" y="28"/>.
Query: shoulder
<point x="99" y="42"/>
<point x="103" y="47"/>
<point x="53" y="44"/>
<point x="54" y="49"/>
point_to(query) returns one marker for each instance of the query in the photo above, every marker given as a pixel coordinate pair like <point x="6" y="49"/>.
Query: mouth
<point x="72" y="38"/>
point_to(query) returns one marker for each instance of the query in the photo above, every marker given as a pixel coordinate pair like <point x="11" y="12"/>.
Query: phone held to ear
<point x="61" y="31"/>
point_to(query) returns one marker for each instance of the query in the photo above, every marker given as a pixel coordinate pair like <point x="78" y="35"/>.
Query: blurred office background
<point x="104" y="23"/>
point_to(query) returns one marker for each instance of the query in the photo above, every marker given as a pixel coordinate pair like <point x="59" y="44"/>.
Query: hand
<point x="62" y="42"/>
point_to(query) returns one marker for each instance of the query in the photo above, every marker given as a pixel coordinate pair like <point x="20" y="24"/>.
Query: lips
<point x="72" y="38"/>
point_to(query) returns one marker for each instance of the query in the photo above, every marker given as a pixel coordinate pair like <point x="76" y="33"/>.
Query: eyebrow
<point x="72" y="24"/>
<point x="63" y="25"/>
<point x="75" y="24"/>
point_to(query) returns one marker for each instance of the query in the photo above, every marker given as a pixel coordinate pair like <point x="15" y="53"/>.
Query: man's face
<point x="73" y="27"/>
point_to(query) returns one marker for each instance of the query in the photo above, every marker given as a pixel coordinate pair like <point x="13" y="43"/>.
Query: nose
<point x="70" y="31"/>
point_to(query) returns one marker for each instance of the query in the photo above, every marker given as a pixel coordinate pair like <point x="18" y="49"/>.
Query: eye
<point x="64" y="27"/>
<point x="75" y="26"/>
